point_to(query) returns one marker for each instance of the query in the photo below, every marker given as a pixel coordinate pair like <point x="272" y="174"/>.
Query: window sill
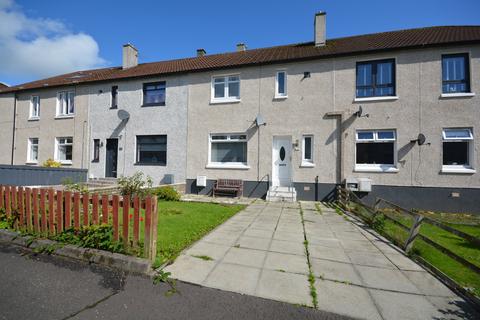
<point x="227" y="166"/>
<point x="366" y="99"/>
<point x="66" y="163"/>
<point x="153" y="164"/>
<point x="457" y="169"/>
<point x="224" y="101"/>
<point x="457" y="95"/>
<point x="65" y="116"/>
<point x="34" y="119"/>
<point x="280" y="97"/>
<point x="385" y="169"/>
<point x="146" y="105"/>
<point x="307" y="165"/>
<point x="31" y="163"/>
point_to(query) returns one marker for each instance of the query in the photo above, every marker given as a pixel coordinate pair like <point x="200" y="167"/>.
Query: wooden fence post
<point x="414" y="230"/>
<point x="51" y="211"/>
<point x="136" y="218"/>
<point x="125" y="220"/>
<point x="68" y="210"/>
<point x="1" y="196"/>
<point x="85" y="203"/>
<point x="105" y="208"/>
<point x="28" y="208"/>
<point x="43" y="212"/>
<point x="95" y="205"/>
<point x="8" y="204"/>
<point x="153" y="247"/>
<point x="115" y="202"/>
<point x="36" y="223"/>
<point x="59" y="211"/>
<point x="148" y="227"/>
<point x="76" y="210"/>
<point x="20" y="208"/>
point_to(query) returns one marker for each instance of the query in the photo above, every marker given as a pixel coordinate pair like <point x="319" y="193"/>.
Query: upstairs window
<point x="228" y="149"/>
<point x="32" y="154"/>
<point x="457" y="148"/>
<point x="65" y="103"/>
<point x="154" y="94"/>
<point x="226" y="88"/>
<point x="281" y="84"/>
<point x="34" y="107"/>
<point x="64" y="150"/>
<point x="376" y="78"/>
<point x="455" y="73"/>
<point x="114" y="104"/>
<point x="152" y="150"/>
<point x="375" y="149"/>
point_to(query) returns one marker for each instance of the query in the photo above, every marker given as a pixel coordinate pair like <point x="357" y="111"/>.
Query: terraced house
<point x="393" y="114"/>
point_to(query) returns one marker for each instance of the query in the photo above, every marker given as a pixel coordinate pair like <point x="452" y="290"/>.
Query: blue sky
<point x="43" y="38"/>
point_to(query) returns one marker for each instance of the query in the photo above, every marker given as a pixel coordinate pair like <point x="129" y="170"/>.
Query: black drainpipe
<point x="316" y="188"/>
<point x="14" y="124"/>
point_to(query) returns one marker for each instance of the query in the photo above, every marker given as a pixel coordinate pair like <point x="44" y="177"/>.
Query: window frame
<point x="57" y="145"/>
<point x="377" y="167"/>
<point x="279" y="95"/>
<point x="308" y="162"/>
<point x="374" y="85"/>
<point x="468" y="79"/>
<point x="228" y="139"/>
<point x="114" y="98"/>
<point x="225" y="98"/>
<point x="31" y="115"/>
<point x="96" y="150"/>
<point x="29" y="150"/>
<point x="468" y="168"/>
<point x="70" y="109"/>
<point x="154" y="104"/>
<point x="137" y="155"/>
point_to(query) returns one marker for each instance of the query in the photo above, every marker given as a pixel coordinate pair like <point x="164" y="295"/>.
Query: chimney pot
<point x="130" y="56"/>
<point x="201" y="52"/>
<point x="320" y="26"/>
<point x="241" y="47"/>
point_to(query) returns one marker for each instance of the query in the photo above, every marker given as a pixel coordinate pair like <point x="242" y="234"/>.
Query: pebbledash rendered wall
<point x="418" y="108"/>
<point x="170" y="120"/>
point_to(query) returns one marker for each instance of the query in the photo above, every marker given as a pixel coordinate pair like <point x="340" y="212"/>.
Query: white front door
<point x="281" y="160"/>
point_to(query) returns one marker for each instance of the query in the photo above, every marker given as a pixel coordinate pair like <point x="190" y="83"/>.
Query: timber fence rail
<point x="48" y="212"/>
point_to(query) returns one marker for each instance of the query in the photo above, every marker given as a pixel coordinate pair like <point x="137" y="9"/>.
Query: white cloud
<point x="40" y="47"/>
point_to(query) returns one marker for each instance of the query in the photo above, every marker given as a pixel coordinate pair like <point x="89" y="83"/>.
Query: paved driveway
<point x="270" y="249"/>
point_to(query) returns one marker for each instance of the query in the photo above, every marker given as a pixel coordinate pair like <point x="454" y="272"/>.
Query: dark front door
<point x="111" y="161"/>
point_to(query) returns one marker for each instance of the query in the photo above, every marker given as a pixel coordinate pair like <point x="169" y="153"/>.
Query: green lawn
<point x="461" y="274"/>
<point x="182" y="223"/>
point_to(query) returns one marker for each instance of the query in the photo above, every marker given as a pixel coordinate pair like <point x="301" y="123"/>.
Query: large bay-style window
<point x="64" y="150"/>
<point x="228" y="150"/>
<point x="152" y="150"/>
<point x="225" y="88"/>
<point x="65" y="104"/>
<point x="458" y="150"/>
<point x="376" y="79"/>
<point x="375" y="150"/>
<point x="455" y="73"/>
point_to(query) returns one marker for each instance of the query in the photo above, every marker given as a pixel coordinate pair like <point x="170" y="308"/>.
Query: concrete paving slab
<point x="402" y="262"/>
<point x="324" y="242"/>
<point x="453" y="308"/>
<point x="335" y="254"/>
<point x="287" y="247"/>
<point x="289" y="236"/>
<point x="349" y="235"/>
<point x="401" y="306"/>
<point x="284" y="286"/>
<point x="428" y="284"/>
<point x="346" y="300"/>
<point x="370" y="259"/>
<point x="232" y="277"/>
<point x="338" y="271"/>
<point x="220" y="238"/>
<point x="286" y="262"/>
<point x="253" y="243"/>
<point x="212" y="250"/>
<point x="246" y="257"/>
<point x="259" y="233"/>
<point x="190" y="269"/>
<point x="386" y="279"/>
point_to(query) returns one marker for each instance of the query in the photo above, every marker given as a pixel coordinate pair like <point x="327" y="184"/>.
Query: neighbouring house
<point x="392" y="114"/>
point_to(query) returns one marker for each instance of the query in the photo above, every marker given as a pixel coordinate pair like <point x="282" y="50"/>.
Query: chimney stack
<point x="201" y="52"/>
<point x="320" y="28"/>
<point x="130" y="56"/>
<point x="241" y="47"/>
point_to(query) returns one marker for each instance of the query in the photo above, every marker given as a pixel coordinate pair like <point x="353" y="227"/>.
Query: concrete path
<point x="269" y="250"/>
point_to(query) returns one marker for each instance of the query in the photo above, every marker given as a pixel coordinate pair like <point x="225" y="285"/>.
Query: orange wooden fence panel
<point x="36" y="225"/>
<point x="20" y="207"/>
<point x="125" y="220"/>
<point x="95" y="205"/>
<point x="43" y="211"/>
<point x="136" y="220"/>
<point x="105" y="208"/>
<point x="59" y="211"/>
<point x="68" y="209"/>
<point x="51" y="211"/>
<point x="1" y="196"/>
<point x="148" y="225"/>
<point x="76" y="210"/>
<point x="115" y="203"/>
<point x="8" y="208"/>
<point x="85" y="209"/>
<point x="28" y="208"/>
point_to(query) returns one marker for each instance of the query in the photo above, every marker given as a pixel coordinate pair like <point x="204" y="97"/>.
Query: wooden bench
<point x="228" y="186"/>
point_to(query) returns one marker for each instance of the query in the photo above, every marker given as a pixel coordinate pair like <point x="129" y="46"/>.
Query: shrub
<point x="95" y="236"/>
<point x="50" y="163"/>
<point x="69" y="185"/>
<point x="378" y="222"/>
<point x="167" y="193"/>
<point x="135" y="185"/>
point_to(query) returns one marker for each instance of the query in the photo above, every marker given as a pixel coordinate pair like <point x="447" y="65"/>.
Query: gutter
<point x="14" y="125"/>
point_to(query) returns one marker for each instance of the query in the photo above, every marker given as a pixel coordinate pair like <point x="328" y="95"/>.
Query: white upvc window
<point x="34" y="108"/>
<point x="281" y="84"/>
<point x="225" y="89"/>
<point x="65" y="104"/>
<point x="375" y="151"/>
<point x="64" y="149"/>
<point x="228" y="151"/>
<point x="32" y="151"/>
<point x="458" y="150"/>
<point x="307" y="151"/>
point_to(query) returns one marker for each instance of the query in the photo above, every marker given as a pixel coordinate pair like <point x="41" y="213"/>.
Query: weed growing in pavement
<point x="205" y="258"/>
<point x="163" y="276"/>
<point x="311" y="276"/>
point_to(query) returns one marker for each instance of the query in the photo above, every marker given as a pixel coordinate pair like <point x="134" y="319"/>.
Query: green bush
<point x="69" y="185"/>
<point x="167" y="194"/>
<point x="378" y="222"/>
<point x="95" y="236"/>
<point x="135" y="185"/>
<point x="50" y="163"/>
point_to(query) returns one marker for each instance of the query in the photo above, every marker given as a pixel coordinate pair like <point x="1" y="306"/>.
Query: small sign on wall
<point x="455" y="194"/>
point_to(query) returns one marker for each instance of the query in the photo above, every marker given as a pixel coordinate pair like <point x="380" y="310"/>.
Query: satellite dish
<point x="123" y="115"/>
<point x="421" y="139"/>
<point x="259" y="121"/>
<point x="359" y="112"/>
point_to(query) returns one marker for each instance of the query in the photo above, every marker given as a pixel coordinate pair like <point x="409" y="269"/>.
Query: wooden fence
<point x="49" y="212"/>
<point x="349" y="201"/>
